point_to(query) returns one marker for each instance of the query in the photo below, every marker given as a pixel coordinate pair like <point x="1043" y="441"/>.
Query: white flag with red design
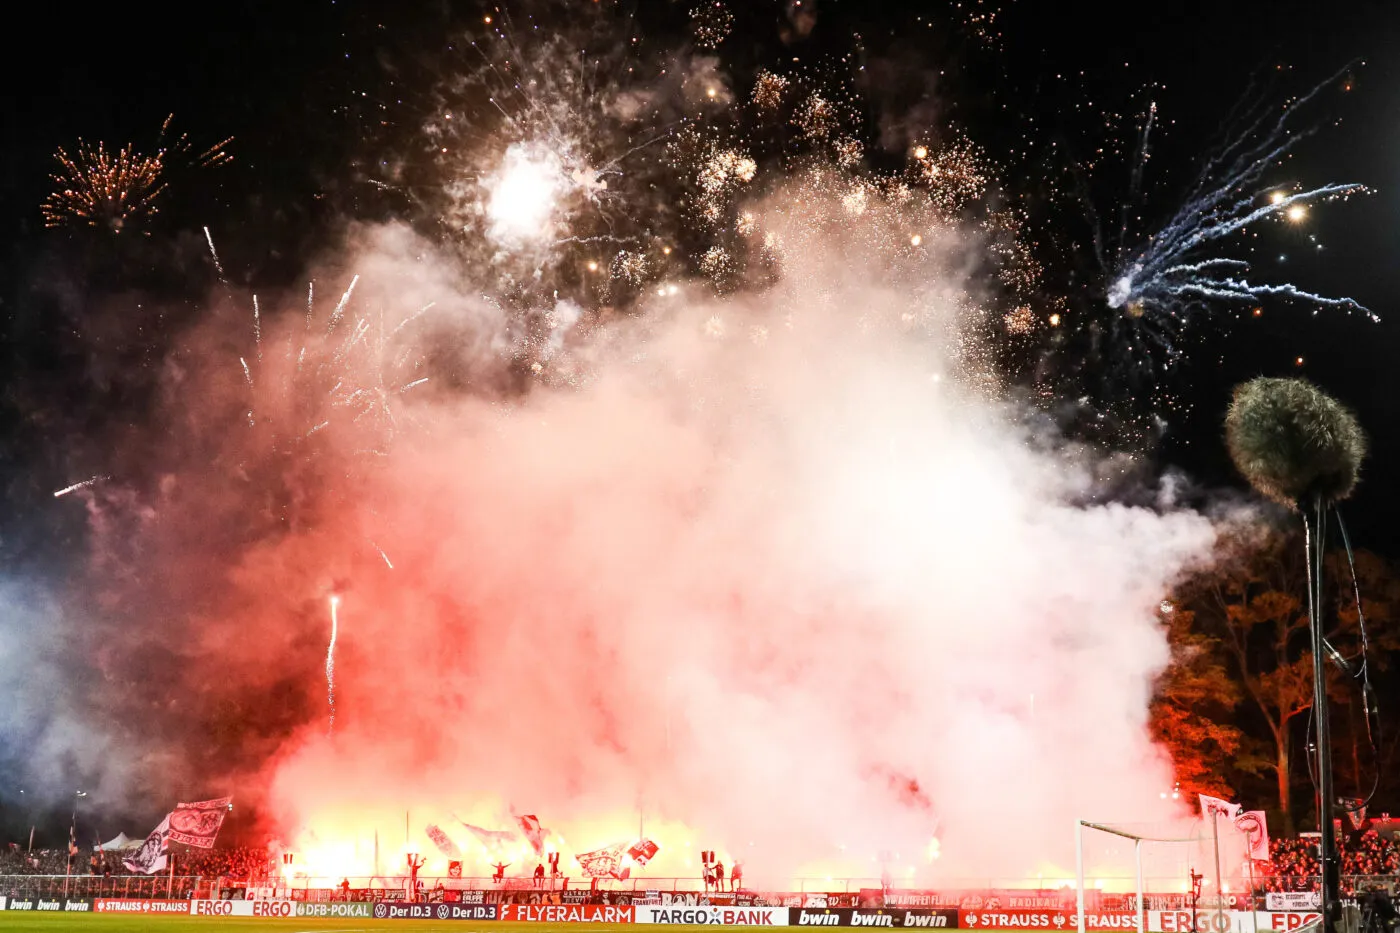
<point x="150" y="858"/>
<point x="1255" y="827"/>
<point x="1214" y="806"/>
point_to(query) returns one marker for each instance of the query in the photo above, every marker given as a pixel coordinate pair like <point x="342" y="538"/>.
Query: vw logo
<point x="442" y="911"/>
<point x="380" y="911"/>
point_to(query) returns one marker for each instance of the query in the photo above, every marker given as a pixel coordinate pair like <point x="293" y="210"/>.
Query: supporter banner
<point x="1173" y="901"/>
<point x="392" y="911"/>
<point x="856" y="917"/>
<point x="925" y="899"/>
<point x="715" y="916"/>
<point x="196" y="824"/>
<point x="568" y="913"/>
<point x="1292" y="900"/>
<point x="336" y="909"/>
<point x="253" y="908"/>
<point x="118" y="906"/>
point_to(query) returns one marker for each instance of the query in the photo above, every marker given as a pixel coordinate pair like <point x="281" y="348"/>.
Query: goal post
<point x="1186" y="860"/>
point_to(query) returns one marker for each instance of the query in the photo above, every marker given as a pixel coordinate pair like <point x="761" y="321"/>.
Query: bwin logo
<point x="818" y="920"/>
<point x="871" y="920"/>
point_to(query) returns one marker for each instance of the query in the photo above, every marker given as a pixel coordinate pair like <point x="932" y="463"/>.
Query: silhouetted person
<point x="736" y="877"/>
<point x="539" y="876"/>
<point x="719" y="876"/>
<point x="345" y="888"/>
<point x="500" y="874"/>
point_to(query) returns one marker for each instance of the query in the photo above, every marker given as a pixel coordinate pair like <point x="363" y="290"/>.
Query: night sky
<point x="312" y="91"/>
<point x="308" y="89"/>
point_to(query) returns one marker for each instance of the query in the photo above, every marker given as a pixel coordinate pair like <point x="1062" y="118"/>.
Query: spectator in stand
<point x="345" y="889"/>
<point x="736" y="877"/>
<point x="500" y="875"/>
<point x="719" y="876"/>
<point x="539" y="875"/>
<point x="709" y="877"/>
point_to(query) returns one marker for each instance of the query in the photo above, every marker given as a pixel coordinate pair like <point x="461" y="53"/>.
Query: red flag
<point x="644" y="851"/>
<point x="196" y="824"/>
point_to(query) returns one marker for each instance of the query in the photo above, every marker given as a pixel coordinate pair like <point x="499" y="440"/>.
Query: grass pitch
<point x="25" y="922"/>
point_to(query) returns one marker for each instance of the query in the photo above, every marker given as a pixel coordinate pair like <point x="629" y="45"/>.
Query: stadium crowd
<point x="239" y="863"/>
<point x="1294" y="861"/>
<point x="1368" y="854"/>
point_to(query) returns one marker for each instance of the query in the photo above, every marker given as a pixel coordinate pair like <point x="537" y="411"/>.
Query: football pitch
<point x="118" y="923"/>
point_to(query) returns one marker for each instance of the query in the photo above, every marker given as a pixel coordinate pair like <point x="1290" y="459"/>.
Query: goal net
<point x="1177" y="867"/>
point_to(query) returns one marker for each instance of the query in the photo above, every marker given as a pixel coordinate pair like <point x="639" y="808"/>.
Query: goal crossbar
<point x="1079" y="827"/>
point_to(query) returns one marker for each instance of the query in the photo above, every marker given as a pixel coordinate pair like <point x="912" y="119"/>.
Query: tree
<point x="1193" y="709"/>
<point x="1252" y="605"/>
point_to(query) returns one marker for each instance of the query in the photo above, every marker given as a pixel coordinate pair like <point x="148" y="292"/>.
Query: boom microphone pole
<point x="1301" y="448"/>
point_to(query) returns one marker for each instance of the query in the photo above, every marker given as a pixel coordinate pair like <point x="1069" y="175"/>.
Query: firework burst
<point x="115" y="189"/>
<point x="1154" y="286"/>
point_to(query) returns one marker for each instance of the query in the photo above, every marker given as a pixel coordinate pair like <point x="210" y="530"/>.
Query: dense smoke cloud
<point x="775" y="572"/>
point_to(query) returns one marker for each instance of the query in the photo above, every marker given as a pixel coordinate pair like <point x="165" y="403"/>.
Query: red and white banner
<point x="444" y="843"/>
<point x="568" y="913"/>
<point x="1255" y="826"/>
<point x="715" y="916"/>
<point x="112" y="905"/>
<point x="534" y="833"/>
<point x="602" y="863"/>
<point x="196" y="824"/>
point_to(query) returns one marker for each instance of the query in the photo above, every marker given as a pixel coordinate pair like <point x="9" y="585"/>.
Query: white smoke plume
<point x="777" y="577"/>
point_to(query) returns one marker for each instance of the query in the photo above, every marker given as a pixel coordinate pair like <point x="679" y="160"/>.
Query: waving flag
<point x="151" y="857"/>
<point x="530" y="826"/>
<point x="1255" y="827"/>
<point x="196" y="824"/>
<point x="644" y="851"/>
<point x="1214" y="806"/>
<point x="445" y="845"/>
<point x="493" y="840"/>
<point x="603" y="863"/>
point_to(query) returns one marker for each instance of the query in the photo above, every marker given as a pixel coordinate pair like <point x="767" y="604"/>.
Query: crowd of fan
<point x="1295" y="860"/>
<point x="233" y="863"/>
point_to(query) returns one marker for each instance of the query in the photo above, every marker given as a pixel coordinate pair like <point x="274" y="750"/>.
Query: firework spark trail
<point x="76" y="486"/>
<point x="330" y="659"/>
<point x="1157" y="280"/>
<point x="218" y="266"/>
<point x="339" y="311"/>
<point x="388" y="563"/>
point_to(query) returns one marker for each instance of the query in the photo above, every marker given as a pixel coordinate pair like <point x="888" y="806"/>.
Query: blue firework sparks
<point x="1159" y="283"/>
